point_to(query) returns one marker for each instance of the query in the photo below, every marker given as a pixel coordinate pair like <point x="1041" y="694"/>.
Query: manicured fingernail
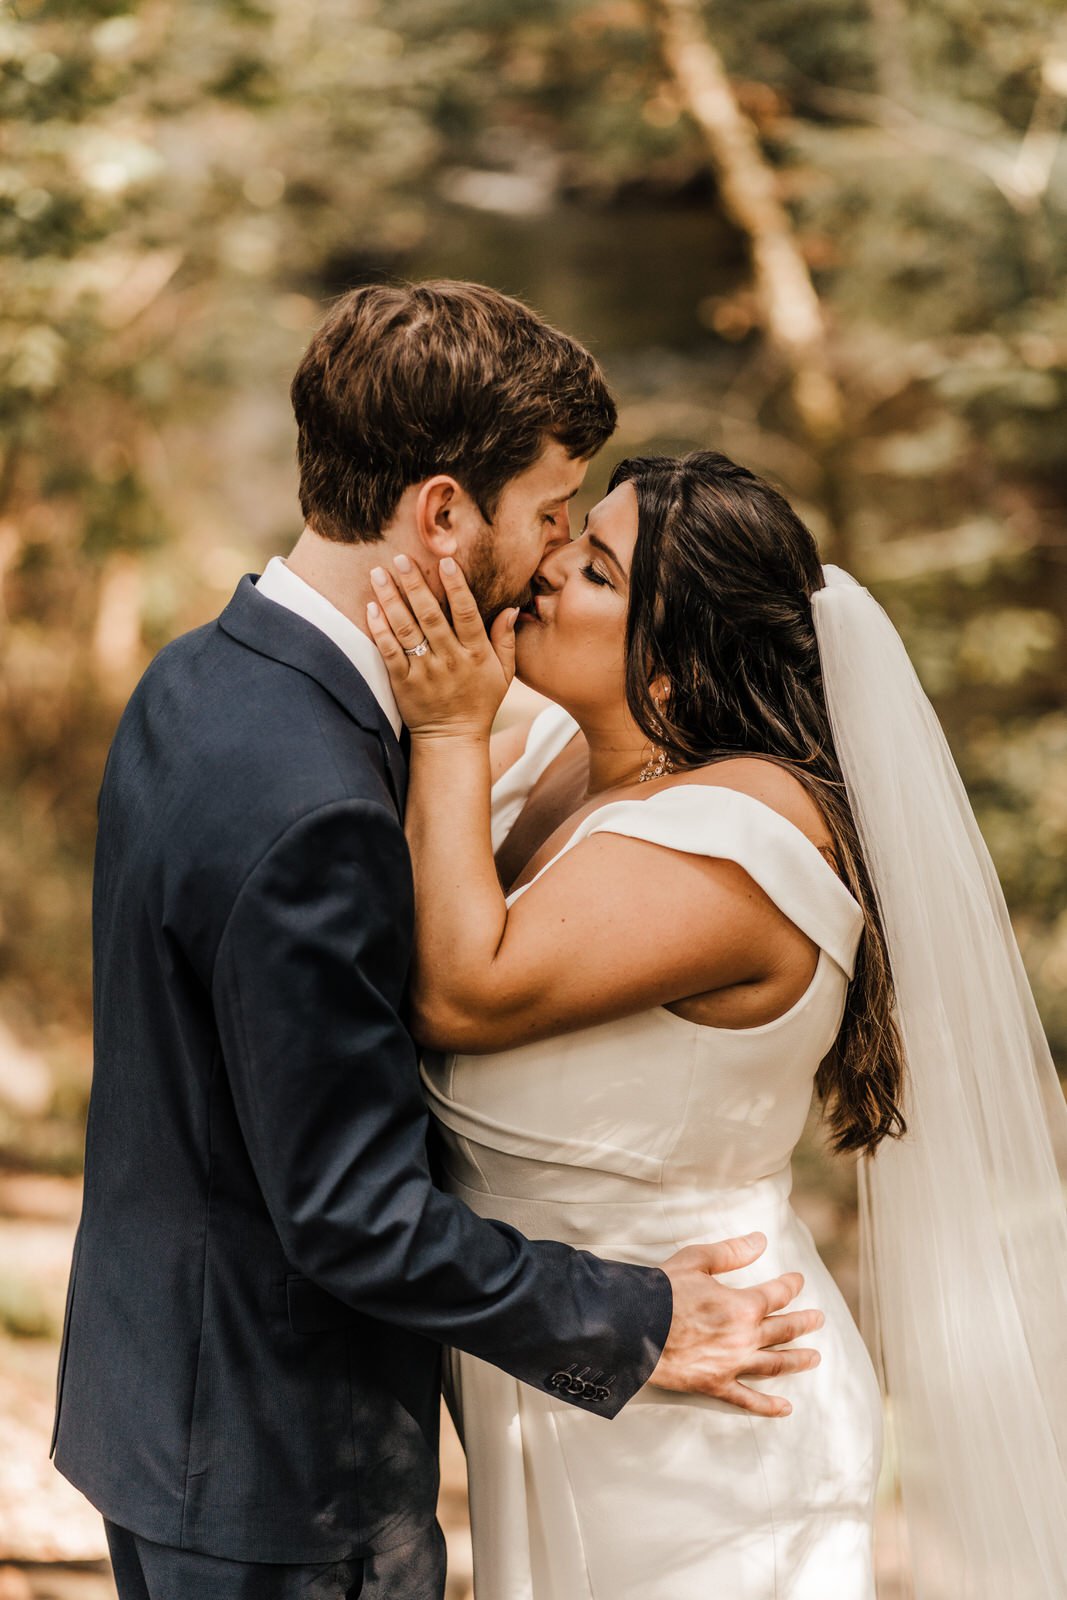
<point x="401" y="563"/>
<point x="379" y="577"/>
<point x="373" y="609"/>
<point x="785" y="1410"/>
<point x="448" y="566"/>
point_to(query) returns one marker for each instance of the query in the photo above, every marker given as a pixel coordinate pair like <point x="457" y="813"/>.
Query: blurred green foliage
<point x="182" y="186"/>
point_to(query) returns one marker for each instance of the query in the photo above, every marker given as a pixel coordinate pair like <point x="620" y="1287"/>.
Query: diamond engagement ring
<point x="419" y="650"/>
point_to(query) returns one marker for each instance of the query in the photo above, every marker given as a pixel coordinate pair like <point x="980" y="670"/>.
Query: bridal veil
<point x="963" y="1221"/>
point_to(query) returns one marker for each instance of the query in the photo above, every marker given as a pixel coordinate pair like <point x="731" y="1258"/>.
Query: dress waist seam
<point x="654" y="1218"/>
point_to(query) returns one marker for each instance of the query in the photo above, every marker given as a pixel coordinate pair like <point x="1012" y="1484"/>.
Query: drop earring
<point x="659" y="762"/>
<point x="658" y="765"/>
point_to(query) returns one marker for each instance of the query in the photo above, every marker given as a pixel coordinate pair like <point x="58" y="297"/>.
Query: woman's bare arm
<point x="602" y="934"/>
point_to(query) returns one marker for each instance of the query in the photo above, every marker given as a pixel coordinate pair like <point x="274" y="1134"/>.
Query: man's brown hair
<point x="402" y="381"/>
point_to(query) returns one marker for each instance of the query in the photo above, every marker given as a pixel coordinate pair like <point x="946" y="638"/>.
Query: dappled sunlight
<point x="832" y="248"/>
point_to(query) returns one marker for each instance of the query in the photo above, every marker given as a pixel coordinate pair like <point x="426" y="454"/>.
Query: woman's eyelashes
<point x="595" y="576"/>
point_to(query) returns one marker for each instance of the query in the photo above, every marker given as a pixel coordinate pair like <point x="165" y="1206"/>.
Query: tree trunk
<point x="790" y="311"/>
<point x="891" y="59"/>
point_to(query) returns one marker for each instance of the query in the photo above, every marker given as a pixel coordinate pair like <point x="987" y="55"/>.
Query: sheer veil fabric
<point x="963" y="1221"/>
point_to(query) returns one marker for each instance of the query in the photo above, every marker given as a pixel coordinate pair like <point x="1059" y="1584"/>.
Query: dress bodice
<point x="550" y="733"/>
<point x="654" y="1102"/>
<point x="633" y="1139"/>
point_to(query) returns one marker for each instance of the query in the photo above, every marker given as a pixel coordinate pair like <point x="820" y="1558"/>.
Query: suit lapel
<point x="274" y="631"/>
<point x="395" y="758"/>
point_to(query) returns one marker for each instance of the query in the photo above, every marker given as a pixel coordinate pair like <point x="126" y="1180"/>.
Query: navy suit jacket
<point x="265" y="1272"/>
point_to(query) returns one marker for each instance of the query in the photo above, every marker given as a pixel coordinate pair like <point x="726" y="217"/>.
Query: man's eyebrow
<point x="559" y="499"/>
<point x="606" y="550"/>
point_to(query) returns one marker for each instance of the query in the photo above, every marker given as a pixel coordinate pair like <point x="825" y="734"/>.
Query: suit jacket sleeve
<point x="308" y="985"/>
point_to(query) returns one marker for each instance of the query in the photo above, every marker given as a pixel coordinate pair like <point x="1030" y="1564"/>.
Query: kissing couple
<point x="601" y="958"/>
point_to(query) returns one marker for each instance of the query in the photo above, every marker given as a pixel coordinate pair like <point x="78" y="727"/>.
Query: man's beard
<point x="493" y="591"/>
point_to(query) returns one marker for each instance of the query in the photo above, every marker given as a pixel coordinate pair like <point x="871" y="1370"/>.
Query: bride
<point x="733" y="861"/>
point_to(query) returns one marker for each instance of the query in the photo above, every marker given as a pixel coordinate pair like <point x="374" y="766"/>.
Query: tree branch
<point x="1001" y="165"/>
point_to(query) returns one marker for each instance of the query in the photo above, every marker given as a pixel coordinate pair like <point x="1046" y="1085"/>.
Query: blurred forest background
<point x="826" y="236"/>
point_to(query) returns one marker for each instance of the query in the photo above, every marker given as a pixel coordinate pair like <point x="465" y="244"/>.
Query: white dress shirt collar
<point x="280" y="584"/>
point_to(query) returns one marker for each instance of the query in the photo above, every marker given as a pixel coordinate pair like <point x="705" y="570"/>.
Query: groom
<point x="265" y="1273"/>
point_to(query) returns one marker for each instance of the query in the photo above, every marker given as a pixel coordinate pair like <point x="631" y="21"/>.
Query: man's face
<point x="532" y="518"/>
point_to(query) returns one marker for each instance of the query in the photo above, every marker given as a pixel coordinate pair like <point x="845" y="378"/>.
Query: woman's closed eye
<point x="594" y="575"/>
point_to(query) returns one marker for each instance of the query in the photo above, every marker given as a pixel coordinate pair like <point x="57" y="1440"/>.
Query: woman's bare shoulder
<point x="765" y="780"/>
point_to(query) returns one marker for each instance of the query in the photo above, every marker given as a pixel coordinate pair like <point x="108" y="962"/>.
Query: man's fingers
<point x="773" y="1363"/>
<point x="466" y="618"/>
<point x="754" y="1400"/>
<point x="728" y="1254"/>
<point x="789" y="1326"/>
<point x="778" y="1292"/>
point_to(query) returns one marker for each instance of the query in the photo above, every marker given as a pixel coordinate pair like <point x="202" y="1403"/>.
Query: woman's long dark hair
<point x="720" y="609"/>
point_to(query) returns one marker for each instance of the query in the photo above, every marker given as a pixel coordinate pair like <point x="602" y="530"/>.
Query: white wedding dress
<point x="631" y="1139"/>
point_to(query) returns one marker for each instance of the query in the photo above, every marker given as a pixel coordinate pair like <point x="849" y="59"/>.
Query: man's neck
<point x="339" y="572"/>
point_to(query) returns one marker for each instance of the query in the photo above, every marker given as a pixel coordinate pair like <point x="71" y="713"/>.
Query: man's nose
<point x="559" y="531"/>
<point x="550" y="573"/>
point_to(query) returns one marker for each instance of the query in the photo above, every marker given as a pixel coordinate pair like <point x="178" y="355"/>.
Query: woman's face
<point x="571" y="640"/>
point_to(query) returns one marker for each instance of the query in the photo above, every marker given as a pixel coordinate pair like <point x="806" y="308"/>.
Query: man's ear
<point x="439" y="514"/>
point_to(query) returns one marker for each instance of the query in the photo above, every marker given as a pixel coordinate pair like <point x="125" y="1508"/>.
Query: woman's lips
<point x="530" y="611"/>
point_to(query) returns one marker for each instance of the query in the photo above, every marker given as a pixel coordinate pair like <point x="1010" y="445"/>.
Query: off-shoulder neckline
<point x="581" y="829"/>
